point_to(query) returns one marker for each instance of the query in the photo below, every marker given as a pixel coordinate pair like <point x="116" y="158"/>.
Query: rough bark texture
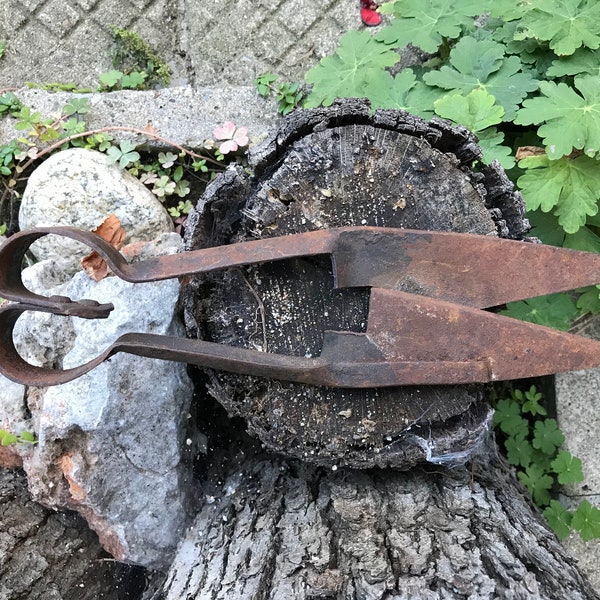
<point x="46" y="555"/>
<point x="280" y="529"/>
<point x="302" y="524"/>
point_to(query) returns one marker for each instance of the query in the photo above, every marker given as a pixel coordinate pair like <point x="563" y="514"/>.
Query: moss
<point x="132" y="52"/>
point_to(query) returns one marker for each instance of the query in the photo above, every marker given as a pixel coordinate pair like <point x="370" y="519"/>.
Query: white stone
<point x="81" y="188"/>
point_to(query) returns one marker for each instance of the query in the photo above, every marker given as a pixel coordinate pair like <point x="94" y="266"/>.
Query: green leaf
<point x="559" y="518"/>
<point x="545" y="226"/>
<point x="567" y="467"/>
<point x="477" y="110"/>
<point x="125" y="154"/>
<point x="571" y="120"/>
<point x="555" y="310"/>
<point x="110" y="79"/>
<point x="583" y="62"/>
<point x="351" y="71"/>
<point x="505" y="80"/>
<point x="264" y="82"/>
<point x="538" y="483"/>
<point x="133" y="80"/>
<point x="509" y="10"/>
<point x="508" y="417"/>
<point x="490" y="142"/>
<point x="547" y="437"/>
<point x="589" y="300"/>
<point x="27" y="436"/>
<point x="425" y="23"/>
<point x="76" y="106"/>
<point x="2" y="48"/>
<point x="565" y="24"/>
<point x="586" y="520"/>
<point x="570" y="188"/>
<point x="7" y="438"/>
<point x="518" y="451"/>
<point x="531" y="402"/>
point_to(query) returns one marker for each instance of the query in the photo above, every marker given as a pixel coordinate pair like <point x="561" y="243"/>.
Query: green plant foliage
<point x="9" y="104"/>
<point x="480" y="64"/>
<point x="533" y="446"/>
<point x="567" y="467"/>
<point x="559" y="518"/>
<point x="7" y="438"/>
<point x="350" y="72"/>
<point x="555" y="310"/>
<point x="125" y="154"/>
<point x="586" y="520"/>
<point x="583" y="62"/>
<point x="427" y="23"/>
<point x="569" y="187"/>
<point x="289" y="95"/>
<point x="570" y="120"/>
<point x="565" y="24"/>
<point x="132" y="53"/>
<point x="2" y="48"/>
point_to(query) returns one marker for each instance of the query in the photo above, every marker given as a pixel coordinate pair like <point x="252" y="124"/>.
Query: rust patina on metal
<point x="425" y="322"/>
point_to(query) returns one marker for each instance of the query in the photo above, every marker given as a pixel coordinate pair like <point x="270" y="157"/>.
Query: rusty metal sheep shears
<point x="426" y="323"/>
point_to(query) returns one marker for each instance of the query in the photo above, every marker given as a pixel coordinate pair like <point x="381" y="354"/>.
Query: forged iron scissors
<point x="426" y="323"/>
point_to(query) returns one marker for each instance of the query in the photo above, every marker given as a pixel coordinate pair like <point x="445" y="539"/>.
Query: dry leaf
<point x="110" y="230"/>
<point x="526" y="151"/>
<point x="150" y="129"/>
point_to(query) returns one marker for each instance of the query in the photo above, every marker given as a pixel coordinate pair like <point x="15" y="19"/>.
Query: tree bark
<point x="434" y="512"/>
<point x="46" y="555"/>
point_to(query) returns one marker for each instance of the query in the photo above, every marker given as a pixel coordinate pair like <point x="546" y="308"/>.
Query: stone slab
<point x="183" y="115"/>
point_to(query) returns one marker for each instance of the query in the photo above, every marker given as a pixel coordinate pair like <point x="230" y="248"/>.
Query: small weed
<point x="138" y="63"/>
<point x="533" y="445"/>
<point x="7" y="438"/>
<point x="288" y="95"/>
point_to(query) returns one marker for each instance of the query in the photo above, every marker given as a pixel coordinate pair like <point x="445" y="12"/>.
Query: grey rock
<point x="110" y="442"/>
<point x="81" y="188"/>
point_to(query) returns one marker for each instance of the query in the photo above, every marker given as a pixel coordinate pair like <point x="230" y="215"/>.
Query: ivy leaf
<point x="350" y="71"/>
<point x="570" y="188"/>
<point x="508" y="417"/>
<point x="537" y="482"/>
<point x="518" y="451"/>
<point x="567" y="467"/>
<point x="555" y="310"/>
<point x="565" y="24"/>
<point x="477" y="110"/>
<point x="572" y="120"/>
<point x="506" y="81"/>
<point x="583" y="61"/>
<point x="547" y="437"/>
<point x="559" y="518"/>
<point x="586" y="520"/>
<point x="424" y="23"/>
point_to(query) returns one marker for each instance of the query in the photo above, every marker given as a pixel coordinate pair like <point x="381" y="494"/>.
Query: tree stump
<point x="286" y="513"/>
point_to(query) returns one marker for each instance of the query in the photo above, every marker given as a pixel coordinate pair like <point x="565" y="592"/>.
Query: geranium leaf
<point x="586" y="520"/>
<point x="572" y="120"/>
<point x="518" y="451"/>
<point x="565" y="24"/>
<point x="583" y="61"/>
<point x="567" y="467"/>
<point x="506" y="81"/>
<point x="477" y="110"/>
<point x="424" y="23"/>
<point x="559" y="518"/>
<point x="350" y="71"/>
<point x="547" y="437"/>
<point x="555" y="310"/>
<point x="537" y="482"/>
<point x="570" y="188"/>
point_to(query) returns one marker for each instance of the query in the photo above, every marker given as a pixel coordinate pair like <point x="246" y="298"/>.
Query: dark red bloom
<point x="368" y="13"/>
